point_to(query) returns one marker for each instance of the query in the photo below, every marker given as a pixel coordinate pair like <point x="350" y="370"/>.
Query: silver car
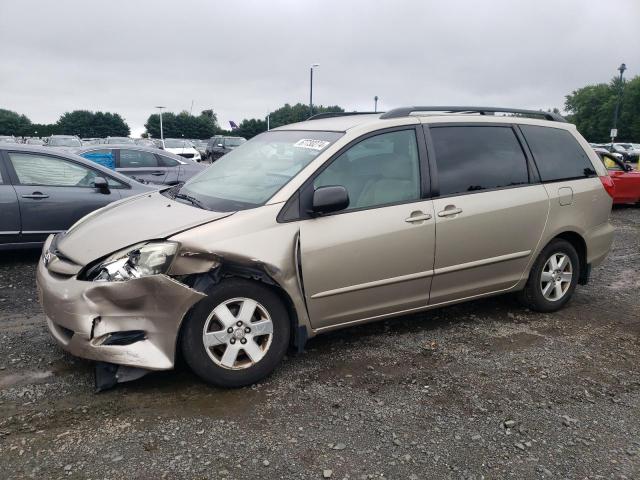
<point x="333" y="222"/>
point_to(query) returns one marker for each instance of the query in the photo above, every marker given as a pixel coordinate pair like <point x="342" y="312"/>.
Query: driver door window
<point x="50" y="171"/>
<point x="137" y="159"/>
<point x="380" y="170"/>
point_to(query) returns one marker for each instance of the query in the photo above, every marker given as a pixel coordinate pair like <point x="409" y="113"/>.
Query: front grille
<point x="186" y="155"/>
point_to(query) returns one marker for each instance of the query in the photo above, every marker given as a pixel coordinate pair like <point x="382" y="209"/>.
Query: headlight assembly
<point x="141" y="260"/>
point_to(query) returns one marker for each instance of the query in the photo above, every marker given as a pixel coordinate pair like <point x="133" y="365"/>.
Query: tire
<point x="533" y="295"/>
<point x="213" y="364"/>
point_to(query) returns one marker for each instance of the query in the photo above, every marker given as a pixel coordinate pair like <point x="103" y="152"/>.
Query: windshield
<point x="234" y="142"/>
<point x="120" y="140"/>
<point x="251" y="174"/>
<point x="64" y="142"/>
<point x="174" y="143"/>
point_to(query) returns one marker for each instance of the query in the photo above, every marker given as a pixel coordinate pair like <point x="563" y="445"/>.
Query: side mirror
<point x="101" y="184"/>
<point x="329" y="199"/>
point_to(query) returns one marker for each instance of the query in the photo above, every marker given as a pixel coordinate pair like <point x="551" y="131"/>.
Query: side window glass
<point x="167" y="162"/>
<point x="478" y="158"/>
<point x="101" y="157"/>
<point x="50" y="171"/>
<point x="137" y="159"/>
<point x="379" y="170"/>
<point x="610" y="163"/>
<point x="557" y="153"/>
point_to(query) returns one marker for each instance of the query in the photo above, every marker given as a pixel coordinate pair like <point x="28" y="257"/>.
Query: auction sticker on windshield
<point x="311" y="144"/>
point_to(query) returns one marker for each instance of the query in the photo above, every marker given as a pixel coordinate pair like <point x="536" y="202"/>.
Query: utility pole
<point x="313" y="65"/>
<point x="161" y="132"/>
<point x="614" y="130"/>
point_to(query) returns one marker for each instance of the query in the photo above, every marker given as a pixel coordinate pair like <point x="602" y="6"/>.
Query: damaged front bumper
<point x="134" y="323"/>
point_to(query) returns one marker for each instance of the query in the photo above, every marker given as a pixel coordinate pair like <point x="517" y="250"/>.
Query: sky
<point x="244" y="58"/>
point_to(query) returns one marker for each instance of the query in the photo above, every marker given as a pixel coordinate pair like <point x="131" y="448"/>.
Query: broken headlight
<point x="140" y="260"/>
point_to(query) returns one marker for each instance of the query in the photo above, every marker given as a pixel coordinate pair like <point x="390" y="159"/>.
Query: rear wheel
<point x="237" y="335"/>
<point x="553" y="278"/>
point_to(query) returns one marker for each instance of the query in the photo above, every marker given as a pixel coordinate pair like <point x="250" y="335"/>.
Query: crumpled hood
<point x="133" y="220"/>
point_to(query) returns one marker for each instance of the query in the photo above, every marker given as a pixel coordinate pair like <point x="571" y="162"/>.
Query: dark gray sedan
<point x="44" y="191"/>
<point x="144" y="164"/>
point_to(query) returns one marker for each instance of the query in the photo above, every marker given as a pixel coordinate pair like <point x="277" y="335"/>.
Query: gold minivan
<point x="336" y="221"/>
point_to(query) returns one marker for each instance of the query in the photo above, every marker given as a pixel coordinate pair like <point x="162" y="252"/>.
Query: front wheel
<point x="237" y="335"/>
<point x="553" y="278"/>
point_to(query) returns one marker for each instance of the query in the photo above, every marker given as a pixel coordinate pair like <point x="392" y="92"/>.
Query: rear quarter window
<point x="557" y="154"/>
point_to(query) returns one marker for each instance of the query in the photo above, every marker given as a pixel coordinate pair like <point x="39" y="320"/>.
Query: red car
<point x="625" y="178"/>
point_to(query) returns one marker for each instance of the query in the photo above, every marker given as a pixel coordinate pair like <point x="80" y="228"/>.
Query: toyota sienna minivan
<point x="336" y="221"/>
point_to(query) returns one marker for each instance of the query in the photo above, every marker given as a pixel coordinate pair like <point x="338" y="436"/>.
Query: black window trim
<point x="567" y="179"/>
<point x="13" y="176"/>
<point x="296" y="208"/>
<point x="5" y="177"/>
<point x="532" y="171"/>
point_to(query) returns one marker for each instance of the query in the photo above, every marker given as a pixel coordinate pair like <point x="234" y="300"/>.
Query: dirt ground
<point x="485" y="389"/>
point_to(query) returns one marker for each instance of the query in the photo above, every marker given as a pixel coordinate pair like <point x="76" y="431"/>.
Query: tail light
<point x="608" y="185"/>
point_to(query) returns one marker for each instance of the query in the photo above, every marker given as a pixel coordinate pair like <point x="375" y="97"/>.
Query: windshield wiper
<point x="194" y="201"/>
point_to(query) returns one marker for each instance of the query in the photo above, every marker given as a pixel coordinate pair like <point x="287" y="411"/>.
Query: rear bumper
<point x="83" y="317"/>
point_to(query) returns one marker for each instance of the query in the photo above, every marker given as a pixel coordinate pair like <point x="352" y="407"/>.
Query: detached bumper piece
<point x="108" y="375"/>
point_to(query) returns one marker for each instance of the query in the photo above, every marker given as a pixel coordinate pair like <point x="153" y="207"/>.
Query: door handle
<point x="157" y="174"/>
<point x="448" y="212"/>
<point x="36" y="195"/>
<point x="418" y="217"/>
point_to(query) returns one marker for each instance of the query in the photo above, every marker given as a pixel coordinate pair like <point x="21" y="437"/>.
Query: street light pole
<point x="614" y="130"/>
<point x="375" y="104"/>
<point x="313" y="65"/>
<point x="161" y="132"/>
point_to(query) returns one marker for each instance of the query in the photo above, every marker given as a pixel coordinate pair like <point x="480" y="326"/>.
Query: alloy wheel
<point x="237" y="333"/>
<point x="556" y="277"/>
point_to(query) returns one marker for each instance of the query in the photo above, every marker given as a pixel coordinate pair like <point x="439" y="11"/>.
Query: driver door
<point x="374" y="258"/>
<point x="53" y="193"/>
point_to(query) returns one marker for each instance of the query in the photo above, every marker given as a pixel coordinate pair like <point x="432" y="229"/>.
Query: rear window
<point x="476" y="158"/>
<point x="557" y="154"/>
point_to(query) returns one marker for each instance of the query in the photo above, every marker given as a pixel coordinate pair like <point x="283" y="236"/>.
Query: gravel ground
<point x="480" y="390"/>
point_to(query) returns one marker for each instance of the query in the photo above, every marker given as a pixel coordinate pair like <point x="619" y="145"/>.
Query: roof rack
<point x="318" y="116"/>
<point x="406" y="111"/>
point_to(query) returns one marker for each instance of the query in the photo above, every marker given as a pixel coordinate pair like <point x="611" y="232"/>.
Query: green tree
<point x="249" y="128"/>
<point x="182" y="125"/>
<point x="92" y="124"/>
<point x="12" y="123"/>
<point x="297" y="113"/>
<point x="284" y="115"/>
<point x="42" y="130"/>
<point x="591" y="109"/>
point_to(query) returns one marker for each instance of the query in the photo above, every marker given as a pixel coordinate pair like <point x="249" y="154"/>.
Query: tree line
<point x="590" y="108"/>
<point x="83" y="123"/>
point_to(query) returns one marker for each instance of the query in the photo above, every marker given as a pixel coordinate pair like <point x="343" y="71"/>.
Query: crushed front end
<point x="117" y="313"/>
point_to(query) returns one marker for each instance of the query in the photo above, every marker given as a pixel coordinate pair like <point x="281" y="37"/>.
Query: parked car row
<point x="144" y="164"/>
<point x="629" y="152"/>
<point x="219" y="145"/>
<point x="45" y="191"/>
